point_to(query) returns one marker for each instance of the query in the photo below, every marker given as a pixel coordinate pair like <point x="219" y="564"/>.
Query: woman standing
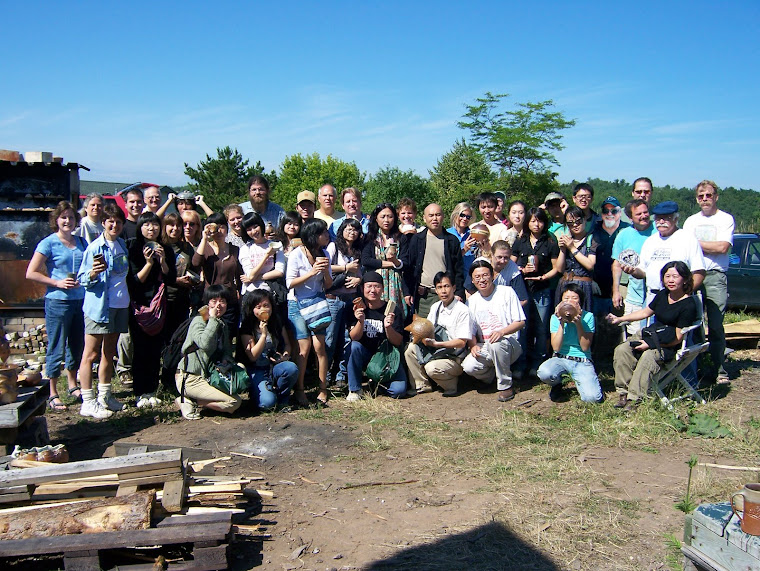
<point x="381" y="253"/>
<point x="516" y="215"/>
<point x="537" y="253"/>
<point x="103" y="274"/>
<point x="91" y="225"/>
<point x="673" y="307"/>
<point x="220" y="264"/>
<point x="149" y="268"/>
<point x="191" y="227"/>
<point x="577" y="256"/>
<point x="308" y="276"/>
<point x="259" y="259"/>
<point x="461" y="217"/>
<point x="289" y="230"/>
<point x="267" y="351"/>
<point x="60" y="255"/>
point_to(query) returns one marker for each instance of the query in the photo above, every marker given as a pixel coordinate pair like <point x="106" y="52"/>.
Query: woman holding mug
<point x="577" y="256"/>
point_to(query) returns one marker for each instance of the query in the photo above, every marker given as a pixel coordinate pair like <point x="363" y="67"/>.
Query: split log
<point x="125" y="513"/>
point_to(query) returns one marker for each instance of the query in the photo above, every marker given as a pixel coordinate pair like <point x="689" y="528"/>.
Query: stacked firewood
<point x="33" y="340"/>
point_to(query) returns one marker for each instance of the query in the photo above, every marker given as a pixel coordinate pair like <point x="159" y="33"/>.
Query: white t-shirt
<point x="251" y="255"/>
<point x="494" y="312"/>
<point x="455" y="319"/>
<point x="716" y="228"/>
<point x="658" y="251"/>
<point x="298" y="265"/>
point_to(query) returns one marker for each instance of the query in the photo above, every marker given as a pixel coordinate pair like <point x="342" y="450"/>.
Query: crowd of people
<point x="253" y="295"/>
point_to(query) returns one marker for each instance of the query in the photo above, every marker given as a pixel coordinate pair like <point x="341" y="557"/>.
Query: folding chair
<point x="692" y="346"/>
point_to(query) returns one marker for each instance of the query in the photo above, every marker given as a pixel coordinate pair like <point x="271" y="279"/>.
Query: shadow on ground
<point x="490" y="546"/>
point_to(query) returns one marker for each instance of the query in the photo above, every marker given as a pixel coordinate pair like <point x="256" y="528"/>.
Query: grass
<point x="741" y="315"/>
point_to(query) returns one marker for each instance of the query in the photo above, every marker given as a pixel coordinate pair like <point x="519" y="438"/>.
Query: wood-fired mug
<point x="750" y="508"/>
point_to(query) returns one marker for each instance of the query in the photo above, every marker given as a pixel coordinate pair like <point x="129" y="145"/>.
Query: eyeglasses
<point x="583" y="196"/>
<point x="704" y="196"/>
<point x="610" y="210"/>
<point x="642" y="191"/>
<point x="465" y="216"/>
<point x="668" y="217"/>
<point x="577" y="222"/>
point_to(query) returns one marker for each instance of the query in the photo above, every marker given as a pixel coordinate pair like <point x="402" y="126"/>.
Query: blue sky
<point x="135" y="89"/>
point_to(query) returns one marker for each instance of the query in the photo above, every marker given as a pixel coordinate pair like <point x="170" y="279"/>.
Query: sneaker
<point x="125" y="378"/>
<point x="148" y="400"/>
<point x="424" y="389"/>
<point x="94" y="409"/>
<point x="355" y="396"/>
<point x="189" y="410"/>
<point x="111" y="403"/>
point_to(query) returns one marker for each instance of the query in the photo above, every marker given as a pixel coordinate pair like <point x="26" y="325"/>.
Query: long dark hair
<point x="251" y="322"/>
<point x="374" y="229"/>
<point x="575" y="212"/>
<point x="292" y="218"/>
<point x="143" y="219"/>
<point x="683" y="271"/>
<point x="354" y="251"/>
<point x="250" y="220"/>
<point x="540" y="215"/>
<point x="311" y="230"/>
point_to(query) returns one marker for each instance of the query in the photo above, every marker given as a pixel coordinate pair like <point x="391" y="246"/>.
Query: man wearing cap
<point x="669" y="243"/>
<point x="186" y="200"/>
<point x="487" y="204"/>
<point x="583" y="195"/>
<point x="351" y="200"/>
<point x="605" y="232"/>
<point x="305" y="205"/>
<point x="714" y="229"/>
<point x="631" y="297"/>
<point x="369" y="326"/>
<point x="258" y="201"/>
<point x="555" y="206"/>
<point x="326" y="197"/>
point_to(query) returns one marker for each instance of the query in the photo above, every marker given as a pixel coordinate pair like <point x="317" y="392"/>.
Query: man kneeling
<point x="438" y="359"/>
<point x="572" y="330"/>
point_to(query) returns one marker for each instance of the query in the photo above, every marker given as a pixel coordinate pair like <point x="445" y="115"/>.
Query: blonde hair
<point x="458" y="209"/>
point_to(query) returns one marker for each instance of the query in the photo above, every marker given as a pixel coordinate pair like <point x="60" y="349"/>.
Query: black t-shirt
<point x="129" y="231"/>
<point x="680" y="314"/>
<point x="545" y="251"/>
<point x="374" y="330"/>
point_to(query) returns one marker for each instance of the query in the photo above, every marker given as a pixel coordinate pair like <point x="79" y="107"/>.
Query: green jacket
<point x="205" y="335"/>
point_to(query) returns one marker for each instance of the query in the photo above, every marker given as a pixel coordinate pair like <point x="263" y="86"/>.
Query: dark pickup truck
<point x="744" y="272"/>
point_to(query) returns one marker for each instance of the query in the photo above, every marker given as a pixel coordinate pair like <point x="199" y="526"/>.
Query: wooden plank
<point x="124" y="490"/>
<point x="208" y="558"/>
<point x="82" y="561"/>
<point x="114" y="539"/>
<point x="146" y="473"/>
<point x="29" y="399"/>
<point x="192" y="454"/>
<point x="174" y="496"/>
<point x="117" y="465"/>
<point x="11" y="498"/>
<point x="218" y="517"/>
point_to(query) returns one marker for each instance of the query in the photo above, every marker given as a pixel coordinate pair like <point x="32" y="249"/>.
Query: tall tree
<point x="390" y="184"/>
<point x="224" y="179"/>
<point x="310" y="172"/>
<point x="459" y="175"/>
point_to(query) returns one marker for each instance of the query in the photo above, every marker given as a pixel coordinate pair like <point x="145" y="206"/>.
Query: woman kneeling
<point x="572" y="330"/>
<point x="207" y="343"/>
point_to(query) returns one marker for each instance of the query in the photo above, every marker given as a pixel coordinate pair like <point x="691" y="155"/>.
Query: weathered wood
<point x="114" y="540"/>
<point x="124" y="490"/>
<point x="192" y="454"/>
<point x="81" y="561"/>
<point x="18" y="497"/>
<point x="218" y="517"/>
<point x="70" y="470"/>
<point x="210" y="557"/>
<point x="91" y="517"/>
<point x="28" y="401"/>
<point x="173" y="497"/>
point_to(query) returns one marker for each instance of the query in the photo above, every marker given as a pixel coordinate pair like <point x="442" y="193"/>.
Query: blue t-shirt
<point x="571" y="345"/>
<point x="630" y="238"/>
<point x="61" y="261"/>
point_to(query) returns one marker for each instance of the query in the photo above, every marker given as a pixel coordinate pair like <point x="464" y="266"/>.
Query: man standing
<point x="153" y="204"/>
<point x="555" y="206"/>
<point x="305" y="205"/>
<point x="326" y="198"/>
<point x="135" y="205"/>
<point x="641" y="190"/>
<point x="605" y="233"/>
<point x="631" y="238"/>
<point x="583" y="194"/>
<point x="437" y="360"/>
<point x="258" y="201"/>
<point x="669" y="243"/>
<point x="351" y="201"/>
<point x="497" y="317"/>
<point x="430" y="251"/>
<point x="487" y="204"/>
<point x="714" y="229"/>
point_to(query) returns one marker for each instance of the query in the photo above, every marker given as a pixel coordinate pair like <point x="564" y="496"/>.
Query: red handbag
<point x="151" y="317"/>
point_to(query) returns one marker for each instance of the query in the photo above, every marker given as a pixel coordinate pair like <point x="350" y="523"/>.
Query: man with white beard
<point x="605" y="232"/>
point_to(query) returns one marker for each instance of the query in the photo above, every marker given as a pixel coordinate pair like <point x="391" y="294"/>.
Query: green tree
<point x="223" y="180"/>
<point x="459" y="175"/>
<point x="390" y="184"/>
<point x="310" y="172"/>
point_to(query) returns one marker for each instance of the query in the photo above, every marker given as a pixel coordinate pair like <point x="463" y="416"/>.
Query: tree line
<point x="511" y="149"/>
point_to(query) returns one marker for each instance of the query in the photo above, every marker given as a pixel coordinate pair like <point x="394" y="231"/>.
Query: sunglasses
<point x="465" y="216"/>
<point x="575" y="222"/>
<point x="610" y="210"/>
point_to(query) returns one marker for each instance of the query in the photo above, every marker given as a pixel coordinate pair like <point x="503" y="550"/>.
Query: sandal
<point x="57" y="407"/>
<point x="78" y="397"/>
<point x="322" y="397"/>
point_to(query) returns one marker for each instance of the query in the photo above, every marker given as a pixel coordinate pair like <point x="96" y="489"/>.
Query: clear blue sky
<point x="135" y="89"/>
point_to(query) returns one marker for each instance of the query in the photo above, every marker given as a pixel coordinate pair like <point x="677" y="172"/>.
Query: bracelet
<point x="576" y="252"/>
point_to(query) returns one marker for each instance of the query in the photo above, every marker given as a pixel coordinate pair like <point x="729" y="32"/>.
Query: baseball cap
<point x="501" y="194"/>
<point x="306" y="195"/>
<point x="553" y="196"/>
<point x="667" y="207"/>
<point x="611" y="200"/>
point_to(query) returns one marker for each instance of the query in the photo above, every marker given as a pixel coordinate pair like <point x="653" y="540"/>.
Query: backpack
<point x="172" y="353"/>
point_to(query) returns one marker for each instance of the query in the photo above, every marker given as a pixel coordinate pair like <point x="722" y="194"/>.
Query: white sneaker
<point x="355" y="396"/>
<point x="94" y="409"/>
<point x="189" y="410"/>
<point x="111" y="403"/>
<point x="148" y="400"/>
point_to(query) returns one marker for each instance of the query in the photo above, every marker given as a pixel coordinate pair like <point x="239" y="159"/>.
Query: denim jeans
<point x="539" y="314"/>
<point x="334" y="332"/>
<point x="584" y="375"/>
<point x="64" y="322"/>
<point x="275" y="389"/>
<point x="715" y="295"/>
<point x="358" y="361"/>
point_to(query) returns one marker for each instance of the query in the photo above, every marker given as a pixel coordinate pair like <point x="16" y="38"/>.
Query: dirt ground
<point x="339" y="501"/>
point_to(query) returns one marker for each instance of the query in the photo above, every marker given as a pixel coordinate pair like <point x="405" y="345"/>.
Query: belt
<point x="571" y="277"/>
<point x="571" y="358"/>
<point x="331" y="296"/>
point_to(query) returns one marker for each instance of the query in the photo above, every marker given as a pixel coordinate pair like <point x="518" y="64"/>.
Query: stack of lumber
<point x="30" y="341"/>
<point x="150" y="498"/>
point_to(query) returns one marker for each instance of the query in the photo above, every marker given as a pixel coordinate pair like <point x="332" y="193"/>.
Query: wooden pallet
<point x="209" y="534"/>
<point x="29" y="401"/>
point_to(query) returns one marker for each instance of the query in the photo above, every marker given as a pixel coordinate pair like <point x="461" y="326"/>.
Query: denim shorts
<point x="297" y="321"/>
<point x="118" y="322"/>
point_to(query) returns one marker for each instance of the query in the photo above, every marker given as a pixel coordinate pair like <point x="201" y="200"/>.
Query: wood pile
<point x="157" y="498"/>
<point x="22" y="341"/>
